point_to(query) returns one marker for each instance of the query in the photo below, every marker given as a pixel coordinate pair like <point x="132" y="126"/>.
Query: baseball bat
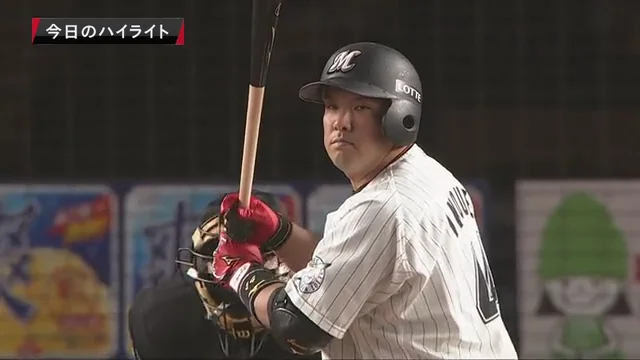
<point x="264" y="18"/>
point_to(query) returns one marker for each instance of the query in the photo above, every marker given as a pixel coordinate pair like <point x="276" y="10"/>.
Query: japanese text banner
<point x="168" y="31"/>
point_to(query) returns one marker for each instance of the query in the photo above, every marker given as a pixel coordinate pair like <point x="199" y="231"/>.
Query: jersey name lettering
<point x="460" y="207"/>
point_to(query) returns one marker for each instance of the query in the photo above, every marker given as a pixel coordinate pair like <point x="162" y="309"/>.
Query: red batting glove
<point x="229" y="257"/>
<point x="256" y="224"/>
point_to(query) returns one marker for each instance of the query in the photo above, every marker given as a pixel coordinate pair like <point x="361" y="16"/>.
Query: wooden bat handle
<point x="251" y="131"/>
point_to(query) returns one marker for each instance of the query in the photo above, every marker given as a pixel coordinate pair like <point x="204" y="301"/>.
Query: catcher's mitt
<point x="223" y="306"/>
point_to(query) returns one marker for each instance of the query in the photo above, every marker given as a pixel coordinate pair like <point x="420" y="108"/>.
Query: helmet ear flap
<point x="401" y="122"/>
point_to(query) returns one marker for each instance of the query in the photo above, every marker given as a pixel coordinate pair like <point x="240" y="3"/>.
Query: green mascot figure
<point x="583" y="267"/>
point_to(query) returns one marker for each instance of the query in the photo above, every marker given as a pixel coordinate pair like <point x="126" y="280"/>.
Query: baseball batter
<point x="400" y="272"/>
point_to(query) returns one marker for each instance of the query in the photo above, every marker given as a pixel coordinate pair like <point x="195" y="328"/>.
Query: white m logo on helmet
<point x="343" y="61"/>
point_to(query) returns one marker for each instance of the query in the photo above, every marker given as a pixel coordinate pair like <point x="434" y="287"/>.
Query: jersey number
<point x="460" y="207"/>
<point x="486" y="294"/>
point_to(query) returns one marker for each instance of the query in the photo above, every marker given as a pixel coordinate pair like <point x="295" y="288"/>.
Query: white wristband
<point x="236" y="278"/>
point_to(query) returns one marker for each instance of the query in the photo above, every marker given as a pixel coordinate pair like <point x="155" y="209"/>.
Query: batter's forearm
<point x="261" y="305"/>
<point x="297" y="251"/>
<point x="289" y="327"/>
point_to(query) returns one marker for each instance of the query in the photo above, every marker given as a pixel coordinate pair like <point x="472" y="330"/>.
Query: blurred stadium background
<point x="534" y="103"/>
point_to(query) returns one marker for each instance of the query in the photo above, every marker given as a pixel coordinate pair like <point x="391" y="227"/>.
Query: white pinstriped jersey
<point x="401" y="272"/>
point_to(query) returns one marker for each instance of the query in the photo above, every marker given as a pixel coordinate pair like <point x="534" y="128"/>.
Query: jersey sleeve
<point x="357" y="250"/>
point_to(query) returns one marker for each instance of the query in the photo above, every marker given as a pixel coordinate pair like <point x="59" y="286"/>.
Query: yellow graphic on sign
<point x="71" y="310"/>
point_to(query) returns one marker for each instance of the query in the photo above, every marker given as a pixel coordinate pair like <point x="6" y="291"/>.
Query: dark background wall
<point x="522" y="88"/>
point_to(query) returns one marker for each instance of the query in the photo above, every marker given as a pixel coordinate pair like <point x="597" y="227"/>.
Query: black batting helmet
<point x="376" y="71"/>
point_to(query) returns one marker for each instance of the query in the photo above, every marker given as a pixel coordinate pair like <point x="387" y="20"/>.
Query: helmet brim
<point x="314" y="92"/>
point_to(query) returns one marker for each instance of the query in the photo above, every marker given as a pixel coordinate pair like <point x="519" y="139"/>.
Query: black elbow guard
<point x="292" y="329"/>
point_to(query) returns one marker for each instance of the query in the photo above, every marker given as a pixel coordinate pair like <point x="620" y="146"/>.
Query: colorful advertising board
<point x="578" y="251"/>
<point x="59" y="264"/>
